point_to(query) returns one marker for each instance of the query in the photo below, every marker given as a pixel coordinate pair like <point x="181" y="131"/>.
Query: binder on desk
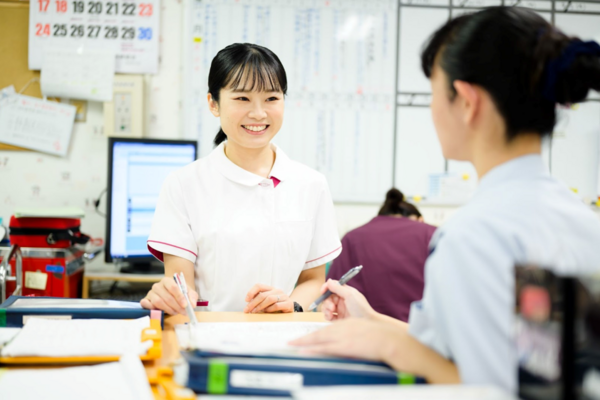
<point x="276" y="377"/>
<point x="16" y="309"/>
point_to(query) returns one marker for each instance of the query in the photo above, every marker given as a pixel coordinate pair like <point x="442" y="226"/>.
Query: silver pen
<point x="343" y="280"/>
<point x="180" y="280"/>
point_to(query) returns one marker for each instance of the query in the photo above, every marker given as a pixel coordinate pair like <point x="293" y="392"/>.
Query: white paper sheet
<point x="35" y="124"/>
<point x="7" y="334"/>
<point x="78" y="74"/>
<point x="79" y="337"/>
<point x="395" y="392"/>
<point x="123" y="380"/>
<point x="251" y="338"/>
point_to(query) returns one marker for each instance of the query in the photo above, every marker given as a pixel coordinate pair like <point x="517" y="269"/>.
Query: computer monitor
<point x="137" y="169"/>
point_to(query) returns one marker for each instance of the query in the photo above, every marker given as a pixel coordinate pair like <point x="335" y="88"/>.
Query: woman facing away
<point x="392" y="248"/>
<point x="496" y="78"/>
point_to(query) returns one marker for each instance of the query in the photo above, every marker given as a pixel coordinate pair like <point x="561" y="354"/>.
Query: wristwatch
<point x="298" y="307"/>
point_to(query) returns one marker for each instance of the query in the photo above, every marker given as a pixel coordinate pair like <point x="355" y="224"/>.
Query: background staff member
<point x="496" y="76"/>
<point x="245" y="224"/>
<point x="392" y="248"/>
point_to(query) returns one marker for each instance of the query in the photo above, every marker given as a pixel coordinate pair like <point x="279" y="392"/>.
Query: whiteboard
<point x="340" y="59"/>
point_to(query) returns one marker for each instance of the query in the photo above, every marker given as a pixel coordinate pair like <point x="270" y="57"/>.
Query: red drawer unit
<point x="55" y="272"/>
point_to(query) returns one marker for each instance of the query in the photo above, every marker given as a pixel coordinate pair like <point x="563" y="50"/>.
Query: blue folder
<point x="12" y="313"/>
<point x="277" y="376"/>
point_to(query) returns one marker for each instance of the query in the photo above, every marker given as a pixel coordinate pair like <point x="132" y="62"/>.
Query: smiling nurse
<point x="249" y="228"/>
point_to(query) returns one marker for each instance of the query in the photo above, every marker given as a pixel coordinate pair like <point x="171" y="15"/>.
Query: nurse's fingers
<point x="269" y="299"/>
<point x="167" y="298"/>
<point x="256" y="289"/>
<point x="159" y="304"/>
<point x="174" y="290"/>
<point x="282" y="306"/>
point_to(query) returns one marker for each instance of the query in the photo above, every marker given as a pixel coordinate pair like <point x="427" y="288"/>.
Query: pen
<point x="180" y="280"/>
<point x="343" y="280"/>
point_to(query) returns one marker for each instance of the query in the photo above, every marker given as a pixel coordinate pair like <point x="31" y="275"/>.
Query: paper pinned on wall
<point x="78" y="74"/>
<point x="36" y="124"/>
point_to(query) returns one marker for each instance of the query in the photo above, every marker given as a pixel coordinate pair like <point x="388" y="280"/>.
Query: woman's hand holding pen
<point x="166" y="296"/>
<point x="345" y="302"/>
<point x="266" y="299"/>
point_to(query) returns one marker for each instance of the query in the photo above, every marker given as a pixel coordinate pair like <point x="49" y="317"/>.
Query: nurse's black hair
<point x="395" y="205"/>
<point x="245" y="66"/>
<point x="520" y="59"/>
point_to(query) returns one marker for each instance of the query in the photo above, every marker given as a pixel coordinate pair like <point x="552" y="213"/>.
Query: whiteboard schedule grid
<point x="129" y="28"/>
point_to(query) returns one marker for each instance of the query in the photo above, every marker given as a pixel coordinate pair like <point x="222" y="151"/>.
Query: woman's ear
<point x="470" y="100"/>
<point x="213" y="106"/>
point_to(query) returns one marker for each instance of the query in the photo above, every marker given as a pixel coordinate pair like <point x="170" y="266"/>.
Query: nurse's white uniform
<point x="519" y="215"/>
<point x="240" y="229"/>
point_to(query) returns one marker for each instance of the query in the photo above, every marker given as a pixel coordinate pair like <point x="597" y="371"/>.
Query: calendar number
<point x="127" y="33"/>
<point x="42" y="29"/>
<point x="94" y="7"/>
<point x="145" y="33"/>
<point x="145" y="10"/>
<point x="77" y="31"/>
<point x="111" y="32"/>
<point x="61" y="6"/>
<point x="93" y="31"/>
<point x="78" y="7"/>
<point x="59" y="30"/>
<point x="112" y="8"/>
<point x="128" y="8"/>
<point x="43" y="5"/>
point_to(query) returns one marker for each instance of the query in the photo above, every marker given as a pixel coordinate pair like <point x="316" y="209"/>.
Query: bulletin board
<point x="14" y="27"/>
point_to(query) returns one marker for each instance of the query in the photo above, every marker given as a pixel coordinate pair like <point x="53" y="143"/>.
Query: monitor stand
<point x="145" y="268"/>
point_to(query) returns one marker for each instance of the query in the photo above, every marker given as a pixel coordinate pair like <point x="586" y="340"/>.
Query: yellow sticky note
<point x="465" y="177"/>
<point x="36" y="280"/>
<point x="575" y="190"/>
<point x="417" y="198"/>
<point x="198" y="40"/>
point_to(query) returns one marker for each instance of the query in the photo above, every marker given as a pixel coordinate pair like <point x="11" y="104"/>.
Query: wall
<point x="29" y="179"/>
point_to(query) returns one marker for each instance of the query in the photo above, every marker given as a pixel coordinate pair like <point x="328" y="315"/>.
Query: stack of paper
<point x="123" y="380"/>
<point x="251" y="338"/>
<point x="78" y="337"/>
<point x="50" y="212"/>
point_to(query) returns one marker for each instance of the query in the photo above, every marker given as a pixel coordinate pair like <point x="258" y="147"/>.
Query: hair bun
<point x="394" y="195"/>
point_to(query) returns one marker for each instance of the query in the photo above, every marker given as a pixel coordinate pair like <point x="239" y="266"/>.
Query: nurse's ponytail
<point x="524" y="63"/>
<point x="245" y="66"/>
<point x="395" y="205"/>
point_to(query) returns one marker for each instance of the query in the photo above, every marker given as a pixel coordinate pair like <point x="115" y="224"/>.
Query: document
<point x="36" y="124"/>
<point x="395" y="392"/>
<point x="123" y="380"/>
<point x="85" y="74"/>
<point x="255" y="338"/>
<point x="7" y="334"/>
<point x="42" y="337"/>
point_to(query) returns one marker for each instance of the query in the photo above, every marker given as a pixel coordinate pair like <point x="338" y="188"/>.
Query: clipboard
<point x="153" y="332"/>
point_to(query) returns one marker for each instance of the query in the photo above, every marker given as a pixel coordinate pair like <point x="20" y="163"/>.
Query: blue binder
<point x="11" y="314"/>
<point x="277" y="376"/>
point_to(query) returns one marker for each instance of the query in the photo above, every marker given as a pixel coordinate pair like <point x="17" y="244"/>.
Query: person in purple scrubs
<point x="392" y="248"/>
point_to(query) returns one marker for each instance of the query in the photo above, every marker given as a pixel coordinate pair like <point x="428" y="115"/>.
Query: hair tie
<point x="562" y="62"/>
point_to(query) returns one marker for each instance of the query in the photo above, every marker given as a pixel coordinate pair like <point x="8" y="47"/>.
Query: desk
<point x="115" y="276"/>
<point x="171" y="347"/>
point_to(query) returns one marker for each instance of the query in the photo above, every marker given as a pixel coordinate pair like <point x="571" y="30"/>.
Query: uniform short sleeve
<point x="466" y="310"/>
<point x="325" y="244"/>
<point x="171" y="231"/>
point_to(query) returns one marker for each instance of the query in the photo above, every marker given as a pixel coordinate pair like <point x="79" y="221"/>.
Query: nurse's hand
<point x="166" y="296"/>
<point x="266" y="299"/>
<point x="345" y="302"/>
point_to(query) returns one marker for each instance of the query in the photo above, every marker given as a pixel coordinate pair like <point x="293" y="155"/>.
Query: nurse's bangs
<point x="257" y="72"/>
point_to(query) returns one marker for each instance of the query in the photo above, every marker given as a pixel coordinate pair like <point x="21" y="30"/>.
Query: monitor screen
<point x="137" y="169"/>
